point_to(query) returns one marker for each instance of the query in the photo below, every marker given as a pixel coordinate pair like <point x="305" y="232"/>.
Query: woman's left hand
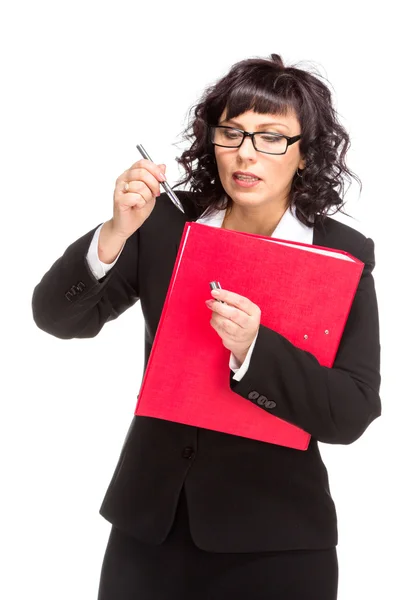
<point x="237" y="322"/>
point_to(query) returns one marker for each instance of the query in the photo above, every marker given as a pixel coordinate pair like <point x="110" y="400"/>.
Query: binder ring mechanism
<point x="215" y="285"/>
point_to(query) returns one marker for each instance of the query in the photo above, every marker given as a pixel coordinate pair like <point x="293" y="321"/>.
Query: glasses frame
<point x="290" y="140"/>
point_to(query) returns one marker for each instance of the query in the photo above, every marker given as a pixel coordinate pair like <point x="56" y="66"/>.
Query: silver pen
<point x="165" y="185"/>
<point x="215" y="285"/>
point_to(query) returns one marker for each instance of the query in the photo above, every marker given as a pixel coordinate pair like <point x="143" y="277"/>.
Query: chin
<point x="245" y="197"/>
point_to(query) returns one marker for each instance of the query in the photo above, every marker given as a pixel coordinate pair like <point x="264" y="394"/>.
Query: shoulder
<point x="336" y="234"/>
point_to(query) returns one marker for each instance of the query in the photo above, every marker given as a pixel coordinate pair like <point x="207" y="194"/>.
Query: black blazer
<point x="243" y="495"/>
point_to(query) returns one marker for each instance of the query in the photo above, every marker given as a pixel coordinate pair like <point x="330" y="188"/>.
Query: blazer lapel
<point x="192" y="213"/>
<point x="319" y="234"/>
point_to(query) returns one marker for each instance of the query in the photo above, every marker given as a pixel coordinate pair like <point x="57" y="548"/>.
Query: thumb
<point x="162" y="167"/>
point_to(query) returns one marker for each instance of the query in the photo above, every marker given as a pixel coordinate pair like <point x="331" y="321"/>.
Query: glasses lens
<point x="226" y="137"/>
<point x="268" y="142"/>
<point x="264" y="142"/>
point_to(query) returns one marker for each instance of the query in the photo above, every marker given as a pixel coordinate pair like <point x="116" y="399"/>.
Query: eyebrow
<point x="260" y="125"/>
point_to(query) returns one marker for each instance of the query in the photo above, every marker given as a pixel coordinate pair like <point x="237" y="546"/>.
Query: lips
<point x="246" y="183"/>
<point x="245" y="174"/>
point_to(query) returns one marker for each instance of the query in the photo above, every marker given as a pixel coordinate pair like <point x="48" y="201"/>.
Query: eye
<point x="272" y="138"/>
<point x="231" y="134"/>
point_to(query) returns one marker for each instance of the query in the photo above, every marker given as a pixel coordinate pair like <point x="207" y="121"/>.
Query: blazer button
<point x="262" y="400"/>
<point x="188" y="452"/>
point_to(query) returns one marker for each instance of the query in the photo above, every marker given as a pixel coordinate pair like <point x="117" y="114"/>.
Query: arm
<point x="70" y="302"/>
<point x="334" y="405"/>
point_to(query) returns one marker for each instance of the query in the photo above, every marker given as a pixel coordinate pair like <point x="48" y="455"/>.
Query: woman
<point x="197" y="513"/>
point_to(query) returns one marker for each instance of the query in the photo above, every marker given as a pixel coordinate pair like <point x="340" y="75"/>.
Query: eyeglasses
<point x="263" y="141"/>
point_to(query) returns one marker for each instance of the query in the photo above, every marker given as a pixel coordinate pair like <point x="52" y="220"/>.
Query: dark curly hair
<point x="267" y="86"/>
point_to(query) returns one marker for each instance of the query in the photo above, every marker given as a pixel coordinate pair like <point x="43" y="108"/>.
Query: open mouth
<point x="245" y="181"/>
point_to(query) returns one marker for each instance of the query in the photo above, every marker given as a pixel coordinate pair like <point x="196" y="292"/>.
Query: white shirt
<point x="289" y="228"/>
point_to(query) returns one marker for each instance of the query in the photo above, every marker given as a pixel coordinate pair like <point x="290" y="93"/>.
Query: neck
<point x="252" y="220"/>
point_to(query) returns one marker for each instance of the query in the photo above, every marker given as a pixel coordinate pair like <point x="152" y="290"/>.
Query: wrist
<point x="110" y="243"/>
<point x="239" y="359"/>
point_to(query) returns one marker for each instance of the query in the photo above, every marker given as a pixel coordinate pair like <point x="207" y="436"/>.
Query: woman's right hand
<point x="132" y="208"/>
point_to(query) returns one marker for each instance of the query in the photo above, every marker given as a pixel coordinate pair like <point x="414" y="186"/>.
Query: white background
<point x="82" y="84"/>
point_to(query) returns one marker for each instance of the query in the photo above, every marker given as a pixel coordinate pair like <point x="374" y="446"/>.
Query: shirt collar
<point x="288" y="228"/>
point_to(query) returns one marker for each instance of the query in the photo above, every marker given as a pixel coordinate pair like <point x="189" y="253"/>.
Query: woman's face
<point x="275" y="171"/>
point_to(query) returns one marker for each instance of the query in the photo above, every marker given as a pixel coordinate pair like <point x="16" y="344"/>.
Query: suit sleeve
<point x="335" y="405"/>
<point x="70" y="302"/>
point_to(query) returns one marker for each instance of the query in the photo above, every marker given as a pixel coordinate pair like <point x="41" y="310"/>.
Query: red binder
<point x="301" y="289"/>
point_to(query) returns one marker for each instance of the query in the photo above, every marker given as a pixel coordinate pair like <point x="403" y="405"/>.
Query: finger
<point x="133" y="200"/>
<point x="235" y="315"/>
<point x="225" y="327"/>
<point x="153" y="168"/>
<point x="148" y="189"/>
<point x="236" y="300"/>
<point x="140" y="177"/>
<point x="231" y="313"/>
<point x="132" y="196"/>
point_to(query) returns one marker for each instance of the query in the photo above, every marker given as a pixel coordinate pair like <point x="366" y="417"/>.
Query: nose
<point x="247" y="150"/>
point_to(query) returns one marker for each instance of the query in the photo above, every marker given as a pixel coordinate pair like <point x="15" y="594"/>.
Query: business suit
<point x="242" y="495"/>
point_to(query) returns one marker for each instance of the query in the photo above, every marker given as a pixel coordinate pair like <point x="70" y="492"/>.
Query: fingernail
<point x="162" y="176"/>
<point x="215" y="292"/>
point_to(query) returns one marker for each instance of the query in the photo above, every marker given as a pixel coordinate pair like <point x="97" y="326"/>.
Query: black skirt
<point x="179" y="570"/>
